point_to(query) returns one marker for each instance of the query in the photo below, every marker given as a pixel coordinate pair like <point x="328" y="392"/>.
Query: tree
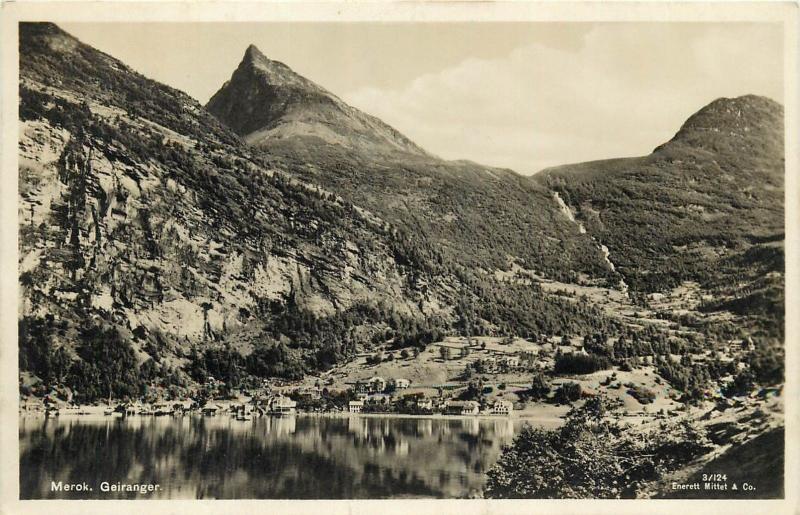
<point x="568" y="393"/>
<point x="591" y="456"/>
<point x="742" y="384"/>
<point x="580" y="363"/>
<point x="474" y="391"/>
<point x="107" y="366"/>
<point x="642" y="394"/>
<point x="206" y="306"/>
<point x="444" y="353"/>
<point x="767" y="364"/>
<point x="26" y="281"/>
<point x="540" y="386"/>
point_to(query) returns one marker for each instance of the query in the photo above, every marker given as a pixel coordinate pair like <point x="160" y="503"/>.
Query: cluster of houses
<point x="493" y="365"/>
<point x="380" y="385"/>
<point x="278" y="406"/>
<point x="447" y="407"/>
<point x="375" y="394"/>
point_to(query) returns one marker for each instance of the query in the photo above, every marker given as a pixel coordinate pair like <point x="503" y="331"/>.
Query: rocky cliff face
<point x="148" y="216"/>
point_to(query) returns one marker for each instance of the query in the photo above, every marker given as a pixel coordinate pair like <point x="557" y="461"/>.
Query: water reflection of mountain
<point x="286" y="457"/>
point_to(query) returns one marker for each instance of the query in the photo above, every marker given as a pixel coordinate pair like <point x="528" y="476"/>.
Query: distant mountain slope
<point x="707" y="206"/>
<point x="479" y="217"/>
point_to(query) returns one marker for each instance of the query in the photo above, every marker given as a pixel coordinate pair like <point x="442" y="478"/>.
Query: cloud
<point x="626" y="90"/>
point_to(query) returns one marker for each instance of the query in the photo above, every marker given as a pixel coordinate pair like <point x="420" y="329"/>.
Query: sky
<point x="524" y="96"/>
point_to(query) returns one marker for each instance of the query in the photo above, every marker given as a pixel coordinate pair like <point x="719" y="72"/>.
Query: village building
<point x="400" y="384"/>
<point x="734" y="346"/>
<point x="424" y="404"/>
<point x="282" y="406"/>
<point x="376" y="399"/>
<point x="308" y="394"/>
<point x="355" y="406"/>
<point x="509" y="362"/>
<point x="361" y="387"/>
<point x="462" y="408"/>
<point x="502" y="408"/>
<point x="181" y="407"/>
<point x="162" y="409"/>
<point x="209" y="409"/>
<point x="377" y="384"/>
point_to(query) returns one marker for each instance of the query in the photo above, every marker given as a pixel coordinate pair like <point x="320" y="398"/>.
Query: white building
<point x="423" y="403"/>
<point x="355" y="406"/>
<point x="282" y="406"/>
<point x="509" y="361"/>
<point x="502" y="408"/>
<point x="377" y="384"/>
<point x="462" y="408"/>
<point x="400" y="384"/>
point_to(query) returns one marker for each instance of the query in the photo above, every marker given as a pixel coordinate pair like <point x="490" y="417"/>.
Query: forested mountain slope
<point x="157" y="249"/>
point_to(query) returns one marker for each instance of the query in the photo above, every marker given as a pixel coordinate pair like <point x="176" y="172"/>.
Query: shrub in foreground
<point x="591" y="456"/>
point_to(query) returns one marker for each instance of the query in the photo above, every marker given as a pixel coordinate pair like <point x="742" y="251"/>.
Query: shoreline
<point x="436" y="416"/>
<point x="527" y="416"/>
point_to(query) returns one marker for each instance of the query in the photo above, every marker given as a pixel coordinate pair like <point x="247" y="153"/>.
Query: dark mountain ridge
<point x="158" y="249"/>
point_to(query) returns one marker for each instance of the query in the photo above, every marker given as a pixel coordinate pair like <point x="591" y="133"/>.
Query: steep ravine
<point x="567" y="212"/>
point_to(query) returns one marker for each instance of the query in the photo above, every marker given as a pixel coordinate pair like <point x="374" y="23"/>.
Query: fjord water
<point x="297" y="457"/>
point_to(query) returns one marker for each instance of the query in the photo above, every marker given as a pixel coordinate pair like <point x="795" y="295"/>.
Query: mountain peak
<point x="748" y="122"/>
<point x="253" y="53"/>
<point x="265" y="101"/>
<point x="46" y="35"/>
<point x="253" y="57"/>
<point x="738" y="111"/>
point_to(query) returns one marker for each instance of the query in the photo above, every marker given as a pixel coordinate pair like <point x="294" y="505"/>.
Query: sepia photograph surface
<point x="388" y="259"/>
